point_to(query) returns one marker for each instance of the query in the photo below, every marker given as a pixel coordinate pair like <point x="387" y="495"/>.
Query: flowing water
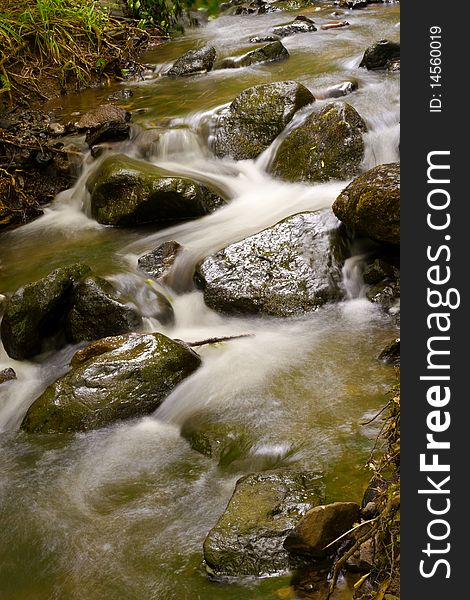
<point x="121" y="513"/>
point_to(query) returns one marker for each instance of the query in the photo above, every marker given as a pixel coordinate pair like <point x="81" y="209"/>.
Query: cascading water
<point x="122" y="512"/>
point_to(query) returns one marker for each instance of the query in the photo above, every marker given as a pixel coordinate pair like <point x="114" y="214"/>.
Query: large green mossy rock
<point x="370" y="205"/>
<point x="248" y="538"/>
<point x="256" y="117"/>
<point x="287" y="269"/>
<point x="327" y="145"/>
<point x="128" y="380"/>
<point x="36" y="311"/>
<point x="96" y="312"/>
<point x="127" y="192"/>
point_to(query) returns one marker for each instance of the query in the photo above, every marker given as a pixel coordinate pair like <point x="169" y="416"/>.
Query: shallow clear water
<point x="122" y="512"/>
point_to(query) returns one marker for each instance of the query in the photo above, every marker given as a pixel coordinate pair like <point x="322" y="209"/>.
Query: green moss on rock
<point x="248" y="538"/>
<point x="327" y="145"/>
<point x="127" y="192"/>
<point x="370" y="205"/>
<point x="129" y="380"/>
<point x="256" y="117"/>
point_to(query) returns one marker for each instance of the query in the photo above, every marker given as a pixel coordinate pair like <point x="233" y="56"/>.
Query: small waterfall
<point x="353" y="281"/>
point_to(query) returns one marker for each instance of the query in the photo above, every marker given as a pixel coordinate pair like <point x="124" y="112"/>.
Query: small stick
<point x="215" y="340"/>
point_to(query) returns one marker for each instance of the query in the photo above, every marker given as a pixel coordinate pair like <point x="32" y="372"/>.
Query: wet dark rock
<point x="109" y="132"/>
<point x="36" y="311"/>
<point x="130" y="380"/>
<point x="120" y="95"/>
<point x="7" y="375"/>
<point x="193" y="62"/>
<point x="287" y="269"/>
<point x="248" y="538"/>
<point x="320" y="526"/>
<point x="380" y="270"/>
<point x="106" y="123"/>
<point x="386" y="294"/>
<point x="327" y="145"/>
<point x="380" y="54"/>
<point x="341" y="89"/>
<point x="273" y="52"/>
<point x="96" y="312"/>
<point x="300" y="24"/>
<point x="394" y="65"/>
<point x="256" y="117"/>
<point x="390" y="355"/>
<point x="354" y="4"/>
<point x="266" y="38"/>
<point x="158" y="262"/>
<point x="127" y="192"/>
<point x="370" y="205"/>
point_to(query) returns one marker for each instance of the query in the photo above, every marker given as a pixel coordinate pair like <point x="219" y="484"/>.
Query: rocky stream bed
<point x="200" y="320"/>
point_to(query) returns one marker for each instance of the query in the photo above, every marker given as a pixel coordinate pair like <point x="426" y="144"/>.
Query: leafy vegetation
<point x="67" y="40"/>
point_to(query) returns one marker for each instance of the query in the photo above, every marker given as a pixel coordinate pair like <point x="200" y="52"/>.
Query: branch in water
<point x="216" y="340"/>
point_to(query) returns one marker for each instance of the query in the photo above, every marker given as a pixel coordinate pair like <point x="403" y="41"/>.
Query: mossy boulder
<point x="96" y="312"/>
<point x="248" y="538"/>
<point x="327" y="145"/>
<point x="380" y="55"/>
<point x="127" y="192"/>
<point x="370" y="205"/>
<point x="36" y="311"/>
<point x="193" y="63"/>
<point x="129" y="380"/>
<point x="287" y="269"/>
<point x="300" y="24"/>
<point x="256" y="117"/>
<point x="271" y="53"/>
<point x="321" y="526"/>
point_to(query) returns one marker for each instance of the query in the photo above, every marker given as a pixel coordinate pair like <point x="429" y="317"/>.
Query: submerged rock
<point x="270" y="53"/>
<point x="370" y="205"/>
<point x="320" y="526"/>
<point x="96" y="312"/>
<point x="223" y="442"/>
<point x="327" y="145"/>
<point x="300" y="24"/>
<point x="248" y="538"/>
<point x="127" y="192"/>
<point x="36" y="311"/>
<point x="287" y="269"/>
<point x="380" y="54"/>
<point x="193" y="62"/>
<point x="129" y="380"/>
<point x="158" y="262"/>
<point x="256" y="117"/>
<point x="390" y="355"/>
